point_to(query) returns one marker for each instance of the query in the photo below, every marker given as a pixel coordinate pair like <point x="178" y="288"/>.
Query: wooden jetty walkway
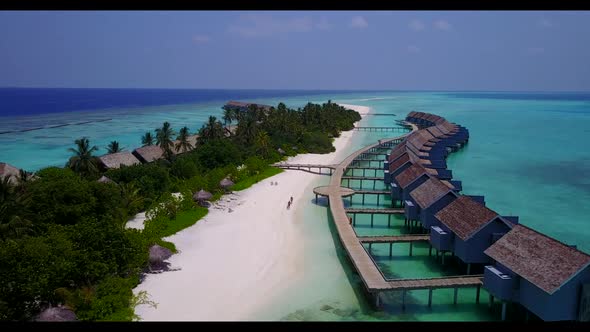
<point x="411" y="238"/>
<point x="393" y="129"/>
<point x="307" y="167"/>
<point x="373" y="279"/>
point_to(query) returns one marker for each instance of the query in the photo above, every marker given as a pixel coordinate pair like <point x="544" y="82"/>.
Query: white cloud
<point x="545" y="23"/>
<point x="413" y="49"/>
<point x="442" y="25"/>
<point x="417" y="25"/>
<point x="359" y="22"/>
<point x="323" y="24"/>
<point x="257" y="25"/>
<point x="200" y="39"/>
<point x="536" y="50"/>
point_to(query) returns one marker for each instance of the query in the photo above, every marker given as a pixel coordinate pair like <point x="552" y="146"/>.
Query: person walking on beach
<point x="288" y="205"/>
<point x="291" y="200"/>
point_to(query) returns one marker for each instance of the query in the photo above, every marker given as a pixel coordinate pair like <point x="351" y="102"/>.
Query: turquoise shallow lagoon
<point x="527" y="154"/>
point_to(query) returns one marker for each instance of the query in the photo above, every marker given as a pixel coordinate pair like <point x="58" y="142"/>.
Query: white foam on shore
<point x="234" y="262"/>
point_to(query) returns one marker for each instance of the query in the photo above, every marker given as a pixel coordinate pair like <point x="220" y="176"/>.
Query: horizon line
<point x="297" y="89"/>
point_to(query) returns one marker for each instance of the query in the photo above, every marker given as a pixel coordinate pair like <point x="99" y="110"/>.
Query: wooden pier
<point x="373" y="279"/>
<point x="307" y="167"/>
<point x="392" y="129"/>
<point x="394" y="239"/>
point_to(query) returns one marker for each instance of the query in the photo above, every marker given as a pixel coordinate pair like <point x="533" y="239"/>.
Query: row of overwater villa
<point x="512" y="262"/>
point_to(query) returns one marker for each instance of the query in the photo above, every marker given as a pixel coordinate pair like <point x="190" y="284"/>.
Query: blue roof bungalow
<point x="406" y="181"/>
<point x="467" y="228"/>
<point x="427" y="199"/>
<point x="547" y="277"/>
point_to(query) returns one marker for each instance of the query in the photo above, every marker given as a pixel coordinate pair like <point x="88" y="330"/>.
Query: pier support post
<point x="363" y="199"/>
<point x="354" y="219"/>
<point x="430" y="297"/>
<point x="455" y="296"/>
<point x="504" y="311"/>
<point x="370" y="245"/>
<point x="404" y="299"/>
<point x="361" y="183"/>
<point x="411" y="246"/>
<point x="350" y="200"/>
<point x="378" y="199"/>
<point x="389" y="220"/>
<point x="372" y="219"/>
<point x="491" y="303"/>
<point x="468" y="268"/>
<point x="390" y="248"/>
<point x="316" y="198"/>
<point x="430" y="250"/>
<point x="477" y="294"/>
<point x="377" y="300"/>
<point x="364" y="171"/>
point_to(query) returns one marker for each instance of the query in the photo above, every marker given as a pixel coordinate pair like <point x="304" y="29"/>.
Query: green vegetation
<point x="62" y="233"/>
<point x="249" y="181"/>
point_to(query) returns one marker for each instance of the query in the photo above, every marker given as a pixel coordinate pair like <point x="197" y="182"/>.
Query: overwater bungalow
<point x="427" y="199"/>
<point x="10" y="172"/>
<point x="115" y="160"/>
<point x="547" y="277"/>
<point x="406" y="181"/>
<point x="467" y="228"/>
<point x="147" y="154"/>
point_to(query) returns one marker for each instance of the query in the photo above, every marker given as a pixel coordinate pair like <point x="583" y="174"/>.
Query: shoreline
<point x="233" y="263"/>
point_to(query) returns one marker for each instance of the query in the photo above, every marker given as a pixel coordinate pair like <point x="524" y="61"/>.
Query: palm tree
<point x="212" y="130"/>
<point x="262" y="143"/>
<point x="114" y="147"/>
<point x="228" y="115"/>
<point x="147" y="139"/>
<point x="164" y="137"/>
<point x="183" y="143"/>
<point x="83" y="162"/>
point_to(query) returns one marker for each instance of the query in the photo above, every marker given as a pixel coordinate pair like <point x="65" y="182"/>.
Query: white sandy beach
<point x="232" y="263"/>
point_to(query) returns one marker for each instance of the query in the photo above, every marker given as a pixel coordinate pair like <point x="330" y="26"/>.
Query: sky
<point x="339" y="50"/>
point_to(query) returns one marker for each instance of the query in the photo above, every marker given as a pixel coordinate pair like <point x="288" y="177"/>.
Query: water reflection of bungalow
<point x="427" y="199"/>
<point x="547" y="277"/>
<point x="116" y="160"/>
<point x="467" y="228"/>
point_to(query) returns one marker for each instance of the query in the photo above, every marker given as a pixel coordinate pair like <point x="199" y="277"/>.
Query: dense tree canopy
<point x="62" y="234"/>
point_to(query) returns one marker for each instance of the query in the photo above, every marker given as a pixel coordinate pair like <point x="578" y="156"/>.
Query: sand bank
<point x="242" y="254"/>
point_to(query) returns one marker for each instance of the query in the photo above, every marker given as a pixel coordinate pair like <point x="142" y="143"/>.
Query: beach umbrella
<point x="202" y="195"/>
<point x="104" y="179"/>
<point x="226" y="183"/>
<point x="57" y="314"/>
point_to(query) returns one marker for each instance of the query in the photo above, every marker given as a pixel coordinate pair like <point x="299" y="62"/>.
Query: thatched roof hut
<point x="147" y="154"/>
<point x="226" y="183"/>
<point x="202" y="195"/>
<point x="57" y="314"/>
<point x="192" y="139"/>
<point x="158" y="254"/>
<point x="7" y="170"/>
<point x="429" y="192"/>
<point x="115" y="160"/>
<point x="104" y="179"/>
